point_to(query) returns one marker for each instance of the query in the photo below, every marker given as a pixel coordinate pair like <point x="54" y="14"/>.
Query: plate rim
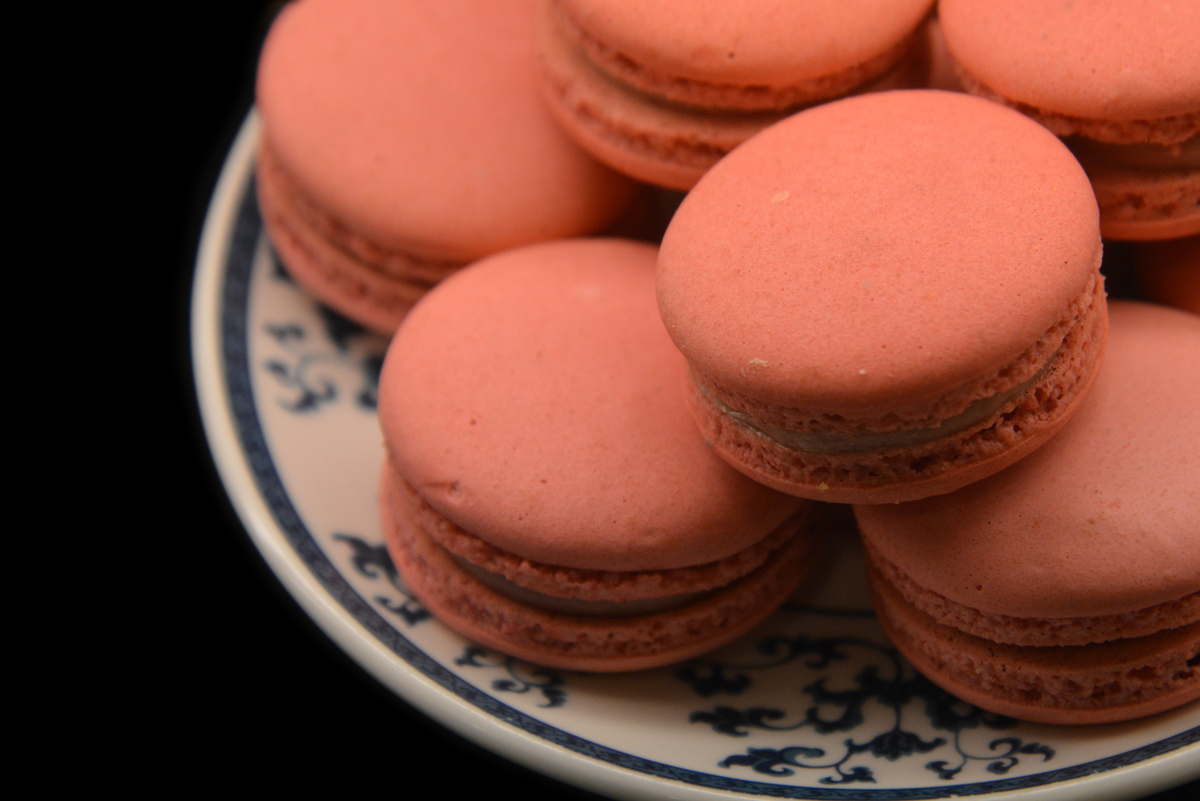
<point x="494" y="724"/>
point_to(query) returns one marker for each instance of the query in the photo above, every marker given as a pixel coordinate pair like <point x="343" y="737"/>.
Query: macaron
<point x="1066" y="589"/>
<point x="1119" y="79"/>
<point x="662" y="92"/>
<point x="401" y="140"/>
<point x="546" y="494"/>
<point x="1169" y="272"/>
<point x="886" y="297"/>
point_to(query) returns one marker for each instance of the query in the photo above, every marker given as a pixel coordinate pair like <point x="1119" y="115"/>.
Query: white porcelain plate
<point x="813" y="704"/>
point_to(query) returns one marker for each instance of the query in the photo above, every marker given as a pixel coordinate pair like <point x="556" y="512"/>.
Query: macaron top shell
<point x="878" y="251"/>
<point x="419" y="126"/>
<point x="1095" y="59"/>
<point x="1104" y="519"/>
<point x="771" y="42"/>
<point x="534" y="400"/>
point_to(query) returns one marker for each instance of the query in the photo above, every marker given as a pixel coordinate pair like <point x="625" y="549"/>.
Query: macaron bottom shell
<point x="1097" y="683"/>
<point x="576" y="642"/>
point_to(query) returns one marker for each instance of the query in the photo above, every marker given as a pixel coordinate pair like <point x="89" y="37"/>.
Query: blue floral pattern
<point x="373" y="562"/>
<point x="892" y="684"/>
<point x="544" y="680"/>
<point x="310" y="386"/>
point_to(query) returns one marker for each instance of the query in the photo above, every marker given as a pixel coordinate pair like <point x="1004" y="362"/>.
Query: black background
<point x="249" y="681"/>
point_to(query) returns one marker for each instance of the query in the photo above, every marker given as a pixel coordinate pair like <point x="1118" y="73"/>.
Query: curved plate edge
<point x="458" y="714"/>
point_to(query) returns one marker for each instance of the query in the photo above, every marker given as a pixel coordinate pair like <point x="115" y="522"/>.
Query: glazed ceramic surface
<point x="813" y="704"/>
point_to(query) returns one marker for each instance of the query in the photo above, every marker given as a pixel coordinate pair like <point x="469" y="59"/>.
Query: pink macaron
<point x="404" y="139"/>
<point x="886" y="297"/>
<point x="1066" y="589"/>
<point x="546" y="493"/>
<point x="1120" y="79"/>
<point x="662" y="91"/>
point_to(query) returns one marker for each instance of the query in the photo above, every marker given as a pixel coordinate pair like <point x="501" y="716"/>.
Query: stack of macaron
<point x="546" y="493"/>
<point x="1119" y="79"/>
<point x="662" y="93"/>
<point x="608" y="455"/>
<point x="1066" y="589"/>
<point x="887" y="297"/>
<point x="894" y="301"/>
<point x="403" y="139"/>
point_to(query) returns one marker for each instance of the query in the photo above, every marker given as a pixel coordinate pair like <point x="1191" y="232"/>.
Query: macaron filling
<point x="307" y="222"/>
<point x="586" y="642"/>
<point x="1170" y="130"/>
<point x="585" y="591"/>
<point x="574" y="606"/>
<point x="1092" y="683"/>
<point x="727" y="97"/>
<point x="671" y="130"/>
<point x="1144" y="190"/>
<point x="588" y="97"/>
<point x="956" y="413"/>
<point x="1027" y="631"/>
<point x="588" y="635"/>
<point x="1177" y="157"/>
